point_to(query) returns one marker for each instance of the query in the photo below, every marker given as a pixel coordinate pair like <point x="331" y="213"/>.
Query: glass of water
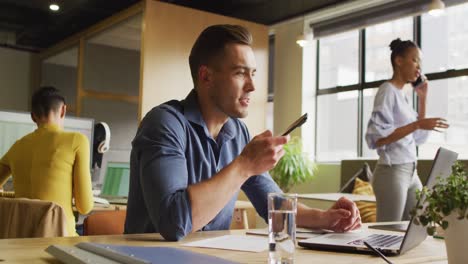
<point x="282" y="209"/>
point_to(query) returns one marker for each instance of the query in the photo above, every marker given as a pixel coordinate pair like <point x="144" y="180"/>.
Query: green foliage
<point x="294" y="167"/>
<point x="448" y="195"/>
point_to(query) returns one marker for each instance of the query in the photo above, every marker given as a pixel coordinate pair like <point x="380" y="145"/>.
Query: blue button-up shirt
<point x="391" y="111"/>
<point x="174" y="149"/>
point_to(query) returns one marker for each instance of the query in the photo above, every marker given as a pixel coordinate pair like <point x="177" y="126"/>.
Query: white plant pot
<point x="456" y="239"/>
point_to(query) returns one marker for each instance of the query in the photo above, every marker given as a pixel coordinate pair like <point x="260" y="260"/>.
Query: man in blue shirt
<point x="190" y="158"/>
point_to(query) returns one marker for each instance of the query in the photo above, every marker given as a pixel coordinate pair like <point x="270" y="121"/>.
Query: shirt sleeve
<point x="163" y="173"/>
<point x="82" y="188"/>
<point x="257" y="188"/>
<point x="381" y="123"/>
<point x="420" y="136"/>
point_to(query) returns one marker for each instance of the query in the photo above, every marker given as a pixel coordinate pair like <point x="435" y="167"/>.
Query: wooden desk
<point x="32" y="250"/>
<point x="335" y="196"/>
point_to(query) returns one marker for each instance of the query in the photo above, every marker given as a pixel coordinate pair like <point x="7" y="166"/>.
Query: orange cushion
<point x="368" y="210"/>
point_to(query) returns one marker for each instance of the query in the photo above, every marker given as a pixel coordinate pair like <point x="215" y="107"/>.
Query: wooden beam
<point x="79" y="77"/>
<point x="134" y="99"/>
<point x="142" y="60"/>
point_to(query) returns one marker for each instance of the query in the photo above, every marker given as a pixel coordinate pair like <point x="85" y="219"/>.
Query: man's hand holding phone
<point x="265" y="150"/>
<point x="299" y="122"/>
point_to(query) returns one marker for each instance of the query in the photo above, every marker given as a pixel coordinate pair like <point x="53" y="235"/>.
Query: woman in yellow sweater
<point x="49" y="163"/>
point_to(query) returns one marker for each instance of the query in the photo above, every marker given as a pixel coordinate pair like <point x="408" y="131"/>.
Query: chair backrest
<point x="105" y="223"/>
<point x="7" y="194"/>
<point x="22" y="218"/>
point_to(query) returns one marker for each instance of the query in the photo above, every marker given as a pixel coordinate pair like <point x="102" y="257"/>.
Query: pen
<point x="377" y="252"/>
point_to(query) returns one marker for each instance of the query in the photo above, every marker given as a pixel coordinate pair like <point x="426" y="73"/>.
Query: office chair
<point x="24" y="218"/>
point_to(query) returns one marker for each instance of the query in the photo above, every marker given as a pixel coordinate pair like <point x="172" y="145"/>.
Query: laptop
<point x="388" y="244"/>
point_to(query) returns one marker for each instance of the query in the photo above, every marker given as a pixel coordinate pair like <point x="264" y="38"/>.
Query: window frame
<point x="362" y="84"/>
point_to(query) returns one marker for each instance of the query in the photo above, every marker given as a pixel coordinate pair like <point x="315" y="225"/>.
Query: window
<point x="338" y="109"/>
<point x="378" y="38"/>
<point x="443" y="40"/>
<point x="336" y="114"/>
<point x="346" y="87"/>
<point x="339" y="60"/>
<point x="448" y="99"/>
<point x="368" y="104"/>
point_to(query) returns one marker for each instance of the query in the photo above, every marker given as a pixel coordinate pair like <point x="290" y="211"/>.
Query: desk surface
<point x="336" y="196"/>
<point x="32" y="250"/>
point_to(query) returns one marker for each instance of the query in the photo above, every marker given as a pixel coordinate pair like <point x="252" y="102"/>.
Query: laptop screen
<point x="441" y="167"/>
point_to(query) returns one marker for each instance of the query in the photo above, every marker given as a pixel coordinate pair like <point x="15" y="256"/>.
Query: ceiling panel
<point x="30" y="25"/>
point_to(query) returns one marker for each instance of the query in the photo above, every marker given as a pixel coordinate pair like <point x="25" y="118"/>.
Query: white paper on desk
<point x="233" y="242"/>
<point x="301" y="233"/>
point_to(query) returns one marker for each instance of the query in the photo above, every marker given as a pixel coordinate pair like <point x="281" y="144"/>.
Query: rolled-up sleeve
<point x="420" y="136"/>
<point x="163" y="175"/>
<point x="381" y="123"/>
<point x="257" y="188"/>
<point x="82" y="186"/>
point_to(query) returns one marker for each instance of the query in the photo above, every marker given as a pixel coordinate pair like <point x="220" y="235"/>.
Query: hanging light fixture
<point x="301" y="40"/>
<point x="54" y="6"/>
<point x="436" y="8"/>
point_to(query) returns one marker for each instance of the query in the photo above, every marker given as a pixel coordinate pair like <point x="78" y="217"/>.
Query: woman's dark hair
<point x="44" y="100"/>
<point x="399" y="48"/>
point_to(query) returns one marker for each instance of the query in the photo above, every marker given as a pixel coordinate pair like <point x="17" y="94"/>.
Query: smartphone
<point x="301" y="120"/>
<point x="418" y="81"/>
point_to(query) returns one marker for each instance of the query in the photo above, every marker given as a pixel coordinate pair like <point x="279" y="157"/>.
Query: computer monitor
<point x="14" y="125"/>
<point x="117" y="180"/>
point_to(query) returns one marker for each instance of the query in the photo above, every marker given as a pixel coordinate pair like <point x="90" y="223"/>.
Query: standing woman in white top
<point x="395" y="129"/>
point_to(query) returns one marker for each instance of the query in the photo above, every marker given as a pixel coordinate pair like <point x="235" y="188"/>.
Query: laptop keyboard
<point x="378" y="241"/>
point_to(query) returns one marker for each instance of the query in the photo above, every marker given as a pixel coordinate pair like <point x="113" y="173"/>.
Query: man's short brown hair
<point x="211" y="43"/>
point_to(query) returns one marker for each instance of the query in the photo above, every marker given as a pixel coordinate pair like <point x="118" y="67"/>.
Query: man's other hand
<point x="342" y="216"/>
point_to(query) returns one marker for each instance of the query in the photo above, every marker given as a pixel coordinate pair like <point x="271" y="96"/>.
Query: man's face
<point x="232" y="80"/>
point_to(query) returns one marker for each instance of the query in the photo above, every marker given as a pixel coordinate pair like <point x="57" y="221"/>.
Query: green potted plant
<point x="294" y="167"/>
<point x="446" y="205"/>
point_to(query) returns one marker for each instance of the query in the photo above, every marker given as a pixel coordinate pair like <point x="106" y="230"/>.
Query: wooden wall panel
<point x="169" y="32"/>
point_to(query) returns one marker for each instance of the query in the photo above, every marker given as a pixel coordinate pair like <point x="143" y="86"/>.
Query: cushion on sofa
<point x="368" y="210"/>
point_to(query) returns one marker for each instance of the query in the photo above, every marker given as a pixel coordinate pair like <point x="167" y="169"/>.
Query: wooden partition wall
<point x="169" y="32"/>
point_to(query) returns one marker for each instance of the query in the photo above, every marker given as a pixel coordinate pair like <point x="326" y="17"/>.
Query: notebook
<point x="105" y="253"/>
<point x="387" y="244"/>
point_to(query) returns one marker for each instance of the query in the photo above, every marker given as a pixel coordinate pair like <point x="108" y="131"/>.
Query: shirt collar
<point x="192" y="109"/>
<point x="50" y="127"/>
<point x="193" y="114"/>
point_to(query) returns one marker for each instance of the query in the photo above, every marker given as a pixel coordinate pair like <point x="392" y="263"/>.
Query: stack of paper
<point x="233" y="242"/>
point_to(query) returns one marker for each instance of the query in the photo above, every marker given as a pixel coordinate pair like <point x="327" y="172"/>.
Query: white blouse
<point x="391" y="111"/>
